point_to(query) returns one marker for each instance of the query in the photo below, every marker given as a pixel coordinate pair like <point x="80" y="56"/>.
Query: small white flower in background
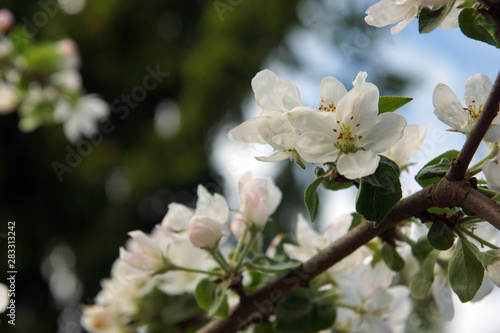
<point x="259" y="198"/>
<point x="449" y="109"/>
<point x="82" y="118"/>
<point x="349" y="132"/>
<point x="9" y="98"/>
<point x="387" y="12"/>
<point x="204" y="232"/>
<point x="491" y="169"/>
<point x="311" y="243"/>
<point x="491" y="261"/>
<point x="4" y="297"/>
<point x="146" y="253"/>
<point x="441" y="292"/>
<point x="68" y="50"/>
<point x="100" y="319"/>
<point x="6" y="21"/>
<point x="407" y="146"/>
<point x="274" y="97"/>
<point x="69" y="79"/>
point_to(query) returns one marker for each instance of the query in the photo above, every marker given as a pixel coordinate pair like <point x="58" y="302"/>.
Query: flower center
<point x="327" y="108"/>
<point x="473" y="113"/>
<point x="346" y="139"/>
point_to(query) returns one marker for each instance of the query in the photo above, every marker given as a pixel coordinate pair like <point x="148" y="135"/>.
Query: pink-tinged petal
<point x="274" y="196"/>
<point x="146" y="243"/>
<point x="247" y="131"/>
<point x="359" y="164"/>
<point x="316" y="147"/>
<point x="177" y="217"/>
<point x="447" y="107"/>
<point x="141" y="261"/>
<point x="331" y="90"/>
<point x="477" y="89"/>
<point x="359" y="106"/>
<point x="386" y="132"/>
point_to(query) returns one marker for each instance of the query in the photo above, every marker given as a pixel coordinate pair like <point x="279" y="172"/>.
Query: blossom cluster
<point x="42" y="82"/>
<point x="345" y="129"/>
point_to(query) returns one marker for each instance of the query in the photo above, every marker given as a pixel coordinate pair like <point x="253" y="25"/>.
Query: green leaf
<point x="449" y="155"/>
<point x="357" y="219"/>
<point x="378" y="193"/>
<point x="468" y="22"/>
<point x="465" y="272"/>
<point x="440" y="236"/>
<point x="212" y="297"/>
<point x="391" y="103"/>
<point x="301" y="311"/>
<point x="421" y="282"/>
<point x="311" y="198"/>
<point x="430" y="18"/>
<point x="421" y="249"/>
<point x="433" y="171"/>
<point x="392" y="258"/>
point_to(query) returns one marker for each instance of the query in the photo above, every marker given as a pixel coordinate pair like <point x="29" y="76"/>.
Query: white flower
<point x="177" y="218"/>
<point x="449" y="109"/>
<point x="6" y="21"/>
<point x="491" y="169"/>
<point x="407" y="146"/>
<point x="311" y="243"/>
<point x="204" y="232"/>
<point x="4" y="297"/>
<point x="441" y="292"/>
<point x="351" y="133"/>
<point x="259" y="198"/>
<point x="9" y="98"/>
<point x="146" y="253"/>
<point x="274" y="97"/>
<point x="82" y="118"/>
<point x="100" y="319"/>
<point x="493" y="267"/>
<point x="387" y="12"/>
<point x="182" y="253"/>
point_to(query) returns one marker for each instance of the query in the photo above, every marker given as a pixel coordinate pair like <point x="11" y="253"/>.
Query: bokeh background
<point x="68" y="232"/>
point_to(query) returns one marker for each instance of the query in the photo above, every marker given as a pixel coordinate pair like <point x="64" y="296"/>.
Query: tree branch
<point x="489" y="112"/>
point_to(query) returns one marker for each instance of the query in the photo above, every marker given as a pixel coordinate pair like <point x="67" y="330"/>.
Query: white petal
<point x="214" y="206"/>
<point x="273" y="196"/>
<point x="331" y="89"/>
<point x="276" y="157"/>
<point x="493" y="271"/>
<point x="305" y="119"/>
<point x="493" y="133"/>
<point x="359" y="164"/>
<point x="447" y="107"/>
<point x="410" y="15"/>
<point x="296" y="252"/>
<point x="378" y="300"/>
<point x="477" y="89"/>
<point x="360" y="79"/>
<point x="273" y="94"/>
<point x="247" y="131"/>
<point x="177" y="217"/>
<point x="386" y="132"/>
<point x="442" y="295"/>
<point x="359" y="106"/>
<point x="387" y="12"/>
<point x="492" y="172"/>
<point x="316" y="147"/>
<point x="4" y="297"/>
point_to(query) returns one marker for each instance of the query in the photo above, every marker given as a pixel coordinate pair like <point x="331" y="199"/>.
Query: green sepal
<point x="391" y="103"/>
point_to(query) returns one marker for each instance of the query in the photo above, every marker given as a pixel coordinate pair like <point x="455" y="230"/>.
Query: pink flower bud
<point x="204" y="232"/>
<point x="6" y="20"/>
<point x="237" y="227"/>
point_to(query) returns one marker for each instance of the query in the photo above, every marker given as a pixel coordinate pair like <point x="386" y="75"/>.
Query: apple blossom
<point x="9" y="97"/>
<point x="259" y="198"/>
<point x="350" y="132"/>
<point x="274" y="97"/>
<point x="387" y="12"/>
<point x="81" y="118"/>
<point x="449" y="109"/>
<point x="204" y="232"/>
<point x="177" y="218"/>
<point x="6" y="20"/>
<point x="407" y="146"/>
<point x="491" y="169"/>
<point x="4" y="297"/>
<point x="146" y="253"/>
<point x="101" y="319"/>
<point x="311" y="243"/>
